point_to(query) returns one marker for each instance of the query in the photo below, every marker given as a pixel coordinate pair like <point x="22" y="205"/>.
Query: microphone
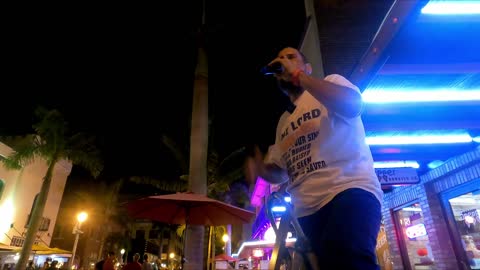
<point x="275" y="68"/>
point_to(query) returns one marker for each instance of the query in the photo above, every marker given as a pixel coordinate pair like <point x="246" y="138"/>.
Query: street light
<point x="122" y="251"/>
<point x="81" y="217"/>
<point x="172" y="258"/>
<point x="225" y="239"/>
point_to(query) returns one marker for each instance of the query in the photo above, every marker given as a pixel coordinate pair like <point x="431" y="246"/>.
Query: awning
<point x="44" y="250"/>
<point x="55" y="251"/>
<point x="6" y="247"/>
<point x="246" y="248"/>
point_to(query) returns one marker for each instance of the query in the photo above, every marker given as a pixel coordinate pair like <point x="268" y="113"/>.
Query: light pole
<point x="172" y="258"/>
<point x="122" y="251"/>
<point x="81" y="217"/>
<point x="225" y="239"/>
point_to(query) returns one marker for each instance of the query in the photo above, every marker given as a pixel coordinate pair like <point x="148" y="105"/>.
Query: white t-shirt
<point x="323" y="152"/>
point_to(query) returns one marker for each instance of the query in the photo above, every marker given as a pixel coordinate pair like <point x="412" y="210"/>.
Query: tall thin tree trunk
<point x="36" y="218"/>
<point x="160" y="250"/>
<point x="198" y="159"/>
<point x="102" y="243"/>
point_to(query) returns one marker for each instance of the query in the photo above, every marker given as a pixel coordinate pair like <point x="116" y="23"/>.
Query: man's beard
<point x="289" y="88"/>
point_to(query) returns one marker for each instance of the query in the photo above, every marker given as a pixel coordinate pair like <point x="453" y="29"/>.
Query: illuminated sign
<point x="257" y="252"/>
<point x="416" y="231"/>
<point x="397" y="176"/>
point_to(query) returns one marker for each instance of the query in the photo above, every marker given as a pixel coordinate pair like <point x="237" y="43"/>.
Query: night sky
<point x="125" y="74"/>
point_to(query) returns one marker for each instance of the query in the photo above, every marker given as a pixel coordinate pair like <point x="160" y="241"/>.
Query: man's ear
<point x="308" y="68"/>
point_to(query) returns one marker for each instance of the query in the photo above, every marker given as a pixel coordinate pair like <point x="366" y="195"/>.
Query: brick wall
<point x="458" y="170"/>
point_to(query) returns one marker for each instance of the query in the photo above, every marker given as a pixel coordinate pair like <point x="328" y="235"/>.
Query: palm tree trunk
<point x="199" y="129"/>
<point x="160" y="249"/>
<point x="102" y="243"/>
<point x="36" y="218"/>
<point x="198" y="160"/>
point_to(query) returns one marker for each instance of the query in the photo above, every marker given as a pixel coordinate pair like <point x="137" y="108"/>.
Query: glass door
<point x="466" y="214"/>
<point x="415" y="244"/>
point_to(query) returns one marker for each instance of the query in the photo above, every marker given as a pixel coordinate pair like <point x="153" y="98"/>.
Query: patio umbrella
<point x="188" y="208"/>
<point x="224" y="257"/>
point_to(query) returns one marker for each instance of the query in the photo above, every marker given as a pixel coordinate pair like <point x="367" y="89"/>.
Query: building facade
<point x="18" y="190"/>
<point x="436" y="224"/>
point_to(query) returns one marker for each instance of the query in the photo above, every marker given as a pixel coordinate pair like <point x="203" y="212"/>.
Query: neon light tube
<point x="279" y="209"/>
<point x="419" y="139"/>
<point x="452" y="7"/>
<point x="396" y="164"/>
<point x="386" y="95"/>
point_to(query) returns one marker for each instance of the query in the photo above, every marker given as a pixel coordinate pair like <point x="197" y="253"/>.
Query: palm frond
<point x="24" y="154"/>
<point x="233" y="175"/>
<point x="180" y="230"/>
<point x="161" y="184"/>
<point x="81" y="150"/>
<point x="88" y="160"/>
<point x="180" y="156"/>
<point x="52" y="129"/>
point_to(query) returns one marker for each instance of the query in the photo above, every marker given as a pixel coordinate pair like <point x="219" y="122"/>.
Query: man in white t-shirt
<point x="320" y="150"/>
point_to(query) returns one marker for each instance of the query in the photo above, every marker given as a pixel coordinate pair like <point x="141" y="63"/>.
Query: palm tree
<point x="53" y="143"/>
<point x="221" y="173"/>
<point x="197" y="181"/>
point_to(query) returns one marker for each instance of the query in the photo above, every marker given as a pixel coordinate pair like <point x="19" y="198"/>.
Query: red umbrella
<point x="224" y="257"/>
<point x="188" y="208"/>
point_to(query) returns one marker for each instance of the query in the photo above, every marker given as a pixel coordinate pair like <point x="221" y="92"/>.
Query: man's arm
<point x="256" y="166"/>
<point x="340" y="99"/>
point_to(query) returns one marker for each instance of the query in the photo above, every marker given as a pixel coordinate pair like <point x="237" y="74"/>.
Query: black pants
<point x="343" y="234"/>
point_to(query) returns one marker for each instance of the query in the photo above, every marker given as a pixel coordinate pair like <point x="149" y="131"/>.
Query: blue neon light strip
<point x="385" y="95"/>
<point x="396" y="164"/>
<point x="279" y="209"/>
<point x="426" y="138"/>
<point x="434" y="164"/>
<point x="452" y="7"/>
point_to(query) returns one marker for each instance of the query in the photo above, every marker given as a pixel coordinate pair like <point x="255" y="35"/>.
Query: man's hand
<point x="254" y="166"/>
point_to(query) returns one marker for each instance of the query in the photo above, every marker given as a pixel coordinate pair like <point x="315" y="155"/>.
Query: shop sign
<point x="416" y="231"/>
<point x="397" y="176"/>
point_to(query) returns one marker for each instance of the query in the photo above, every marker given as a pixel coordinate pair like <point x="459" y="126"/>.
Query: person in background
<point x="110" y="261"/>
<point x="320" y="151"/>
<point x="45" y="266"/>
<point x="30" y="266"/>
<point x="99" y="264"/>
<point x="53" y="265"/>
<point x="133" y="265"/>
<point x="146" y="265"/>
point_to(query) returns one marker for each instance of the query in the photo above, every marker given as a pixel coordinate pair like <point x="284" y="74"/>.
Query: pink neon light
<point x="260" y="190"/>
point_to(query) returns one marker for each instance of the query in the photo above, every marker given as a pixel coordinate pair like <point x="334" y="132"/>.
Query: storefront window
<point x="466" y="209"/>
<point x="415" y="237"/>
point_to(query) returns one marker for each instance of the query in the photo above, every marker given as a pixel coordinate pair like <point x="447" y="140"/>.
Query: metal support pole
<point x="74" y="250"/>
